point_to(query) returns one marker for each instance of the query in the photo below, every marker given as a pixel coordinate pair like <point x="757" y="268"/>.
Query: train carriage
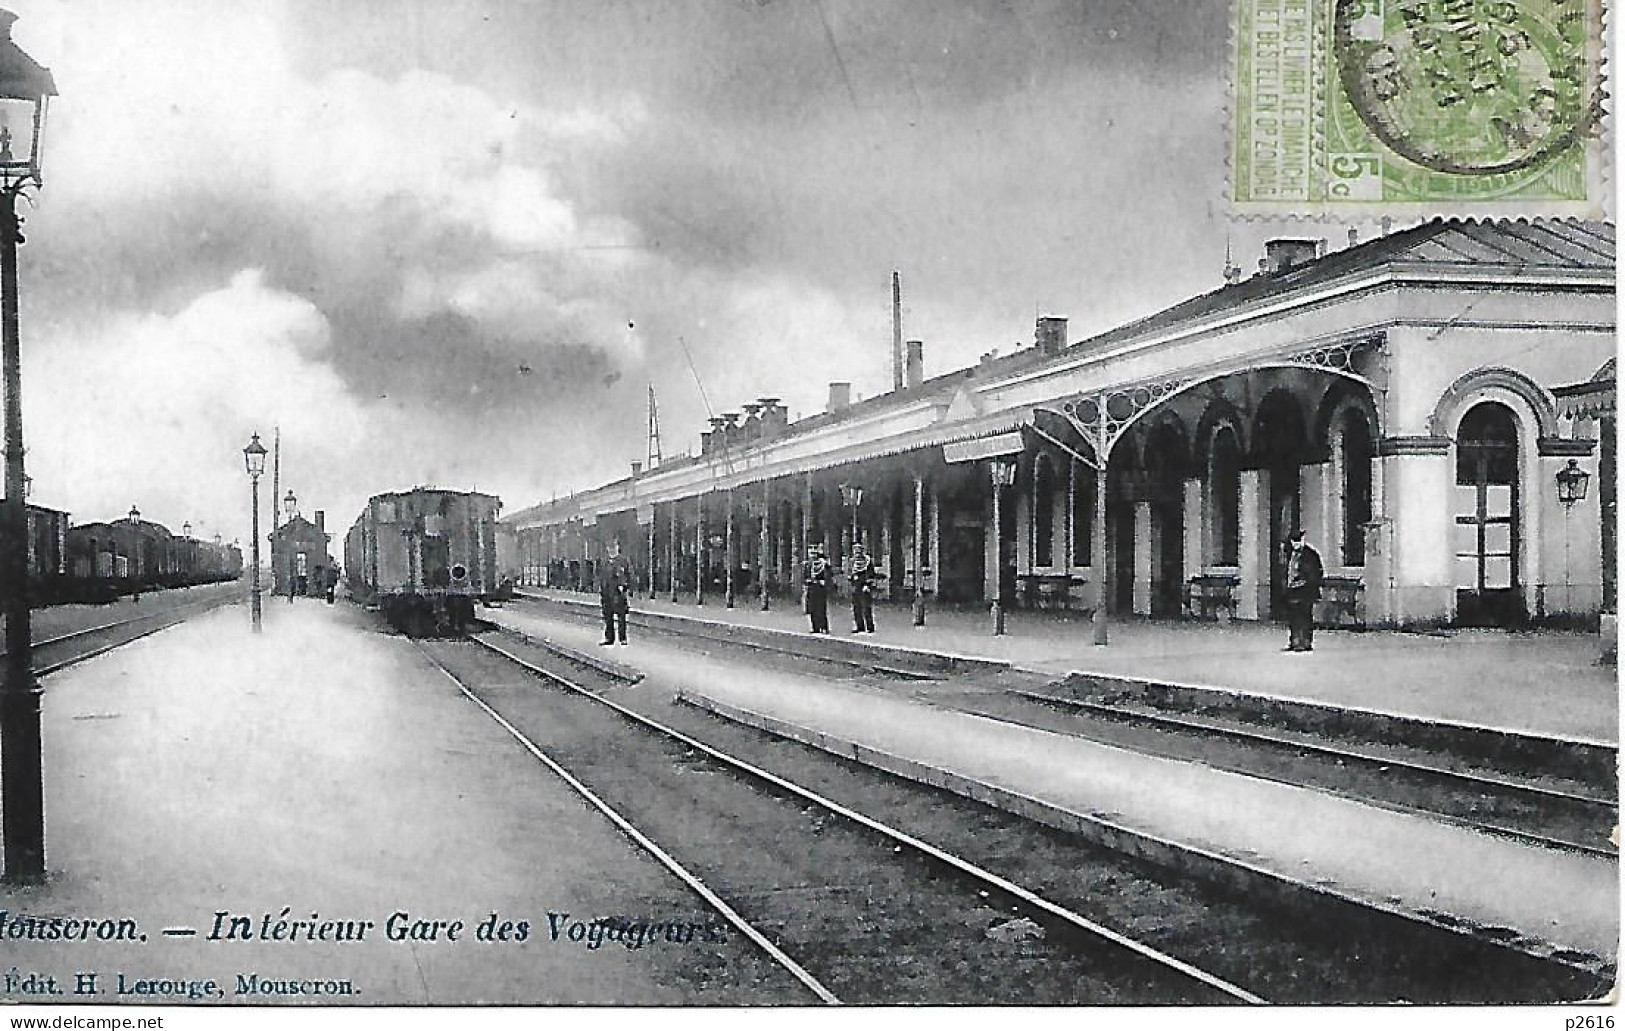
<point x="424" y="557"/>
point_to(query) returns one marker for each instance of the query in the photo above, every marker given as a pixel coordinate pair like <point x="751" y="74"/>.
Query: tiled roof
<point x="1572" y="245"/>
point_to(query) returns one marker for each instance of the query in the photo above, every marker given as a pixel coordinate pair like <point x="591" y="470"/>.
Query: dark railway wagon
<point x="425" y="557"/>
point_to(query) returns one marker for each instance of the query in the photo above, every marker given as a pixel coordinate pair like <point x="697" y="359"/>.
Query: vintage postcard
<point x="736" y="507"/>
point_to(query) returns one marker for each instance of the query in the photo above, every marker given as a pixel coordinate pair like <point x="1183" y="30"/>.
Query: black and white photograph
<point x="717" y="509"/>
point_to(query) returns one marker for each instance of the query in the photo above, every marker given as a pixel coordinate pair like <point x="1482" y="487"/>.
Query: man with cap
<point x="819" y="578"/>
<point x="862" y="578"/>
<point x="1303" y="576"/>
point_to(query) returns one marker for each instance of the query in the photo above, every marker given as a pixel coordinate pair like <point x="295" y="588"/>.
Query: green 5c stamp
<point x="1361" y="108"/>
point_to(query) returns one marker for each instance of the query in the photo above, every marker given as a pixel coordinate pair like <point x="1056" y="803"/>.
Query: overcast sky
<point x="455" y="242"/>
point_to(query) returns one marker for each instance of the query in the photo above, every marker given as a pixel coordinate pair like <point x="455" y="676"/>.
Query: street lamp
<point x="1002" y="474"/>
<point x="852" y="496"/>
<point x="290" y="508"/>
<point x="254" y="459"/>
<point x="24" y="87"/>
<point x="1571" y="483"/>
<point x="135" y="553"/>
<point x="1571" y="488"/>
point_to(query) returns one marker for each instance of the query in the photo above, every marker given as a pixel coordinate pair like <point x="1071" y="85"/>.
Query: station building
<point x="1434" y="408"/>
<point x="300" y="561"/>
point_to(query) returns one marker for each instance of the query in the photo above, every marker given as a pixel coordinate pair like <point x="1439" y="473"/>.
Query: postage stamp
<point x="1365" y="108"/>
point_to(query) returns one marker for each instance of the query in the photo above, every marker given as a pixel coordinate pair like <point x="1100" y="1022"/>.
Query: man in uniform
<point x="614" y="596"/>
<point x="861" y="576"/>
<point x="1303" y="576"/>
<point x="819" y="579"/>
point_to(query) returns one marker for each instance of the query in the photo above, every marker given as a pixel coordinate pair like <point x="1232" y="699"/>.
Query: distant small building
<point x="299" y="558"/>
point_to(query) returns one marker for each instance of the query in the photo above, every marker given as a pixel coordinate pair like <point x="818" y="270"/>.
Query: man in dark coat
<point x="1303" y="576"/>
<point x="862" y="578"/>
<point x="614" y="597"/>
<point x="819" y="578"/>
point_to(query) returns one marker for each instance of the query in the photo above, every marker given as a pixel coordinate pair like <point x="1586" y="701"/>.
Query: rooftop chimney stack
<point x="915" y="363"/>
<point x="1050" y="335"/>
<point x="773" y="417"/>
<point x="896" y="331"/>
<point x="321" y="521"/>
<point x="1354" y="236"/>
<point x="1284" y="255"/>
<point x="840" y="397"/>
<point x="637" y="469"/>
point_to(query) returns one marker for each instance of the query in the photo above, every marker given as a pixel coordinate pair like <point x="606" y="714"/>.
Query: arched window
<point x="1083" y="513"/>
<point x="1043" y="512"/>
<point x="1224" y="498"/>
<point x="1486" y="542"/>
<point x="1356" y="460"/>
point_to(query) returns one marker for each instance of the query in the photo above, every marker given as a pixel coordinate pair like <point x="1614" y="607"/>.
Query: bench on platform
<point x="1342" y="602"/>
<point x="1212" y="596"/>
<point x="1046" y="591"/>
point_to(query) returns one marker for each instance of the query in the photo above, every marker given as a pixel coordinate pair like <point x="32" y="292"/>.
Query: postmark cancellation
<point x="1367" y="108"/>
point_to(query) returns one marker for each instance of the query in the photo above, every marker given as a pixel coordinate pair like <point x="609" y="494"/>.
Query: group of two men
<point x="820" y="580"/>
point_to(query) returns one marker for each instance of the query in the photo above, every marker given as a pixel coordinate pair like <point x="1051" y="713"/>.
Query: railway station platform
<point x="1186" y="814"/>
<point x="321" y="774"/>
<point x="1539" y="683"/>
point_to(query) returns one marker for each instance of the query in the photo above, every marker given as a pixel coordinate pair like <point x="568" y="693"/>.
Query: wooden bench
<point x="1044" y="591"/>
<point x="1342" y="602"/>
<point x="1212" y="596"/>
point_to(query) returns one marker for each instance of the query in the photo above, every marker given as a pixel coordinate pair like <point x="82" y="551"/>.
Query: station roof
<point x="1489" y="246"/>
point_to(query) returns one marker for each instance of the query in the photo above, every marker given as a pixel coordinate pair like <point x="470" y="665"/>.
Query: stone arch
<point x="1278" y="428"/>
<point x="1168" y="445"/>
<point x="1219" y="412"/>
<point x="1339" y="397"/>
<point x="1460" y="395"/>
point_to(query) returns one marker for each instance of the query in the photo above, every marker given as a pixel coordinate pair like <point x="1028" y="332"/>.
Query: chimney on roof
<point x="773" y="417"/>
<point x="840" y="396"/>
<point x="1284" y="255"/>
<point x="713" y="439"/>
<point x="753" y="421"/>
<point x="916" y="363"/>
<point x="321" y="521"/>
<point x="637" y="469"/>
<point x="1354" y="235"/>
<point x="896" y="331"/>
<point x="1050" y="335"/>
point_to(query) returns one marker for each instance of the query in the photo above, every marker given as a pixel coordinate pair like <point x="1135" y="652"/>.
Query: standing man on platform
<point x="615" y="595"/>
<point x="819" y="579"/>
<point x="1303" y="576"/>
<point x="862" y="578"/>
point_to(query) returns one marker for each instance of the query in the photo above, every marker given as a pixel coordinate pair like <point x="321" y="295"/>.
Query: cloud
<point x="156" y="408"/>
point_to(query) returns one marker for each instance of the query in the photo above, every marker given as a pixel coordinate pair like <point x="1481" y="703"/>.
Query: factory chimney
<point x="896" y="331"/>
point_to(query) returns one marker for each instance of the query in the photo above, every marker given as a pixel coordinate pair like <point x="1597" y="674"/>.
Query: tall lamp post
<point x="1571" y="488"/>
<point x="254" y="459"/>
<point x="290" y="508"/>
<point x="135" y="554"/>
<point x="1001" y="474"/>
<point x="24" y="89"/>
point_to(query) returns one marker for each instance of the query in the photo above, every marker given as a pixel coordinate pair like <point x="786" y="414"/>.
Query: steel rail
<point x="1475" y="779"/>
<point x="1468" y="780"/>
<point x="648" y="845"/>
<point x="56" y="667"/>
<point x="956" y="863"/>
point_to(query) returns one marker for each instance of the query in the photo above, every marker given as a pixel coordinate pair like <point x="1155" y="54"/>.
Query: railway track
<point x="52" y="654"/>
<point x="1560" y="817"/>
<point x="856" y="909"/>
<point x="1313" y="952"/>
